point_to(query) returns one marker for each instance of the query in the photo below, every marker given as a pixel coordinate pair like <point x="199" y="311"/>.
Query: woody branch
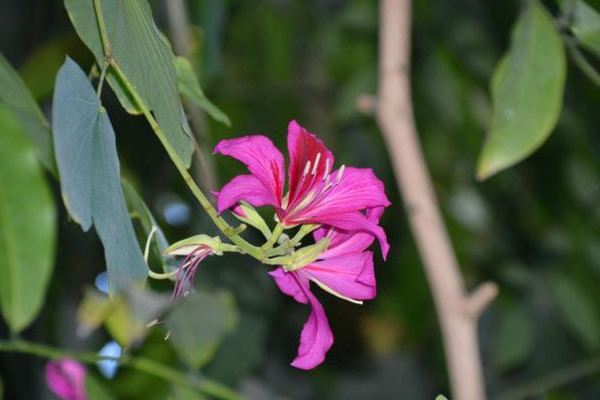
<point x="457" y="310"/>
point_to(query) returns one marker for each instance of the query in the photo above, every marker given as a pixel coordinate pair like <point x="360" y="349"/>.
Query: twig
<point x="229" y="231"/>
<point x="146" y="365"/>
<point x="101" y="81"/>
<point x="581" y="61"/>
<point x="556" y="379"/>
<point x="457" y="310"/>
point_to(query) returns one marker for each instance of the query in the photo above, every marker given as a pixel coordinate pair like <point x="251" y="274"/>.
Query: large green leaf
<point x="15" y="95"/>
<point x="527" y="90"/>
<point x="189" y="86"/>
<point x="585" y="24"/>
<point x="27" y="227"/>
<point x="578" y="311"/>
<point x="89" y="169"/>
<point x="144" y="57"/>
<point x="199" y="324"/>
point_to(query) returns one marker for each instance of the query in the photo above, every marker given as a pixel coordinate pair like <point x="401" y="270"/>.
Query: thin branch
<point x="581" y="61"/>
<point x="101" y="81"/>
<point x="223" y="226"/>
<point x="146" y="365"/>
<point x="555" y="380"/>
<point x="478" y="301"/>
<point x="102" y="29"/>
<point x="457" y="311"/>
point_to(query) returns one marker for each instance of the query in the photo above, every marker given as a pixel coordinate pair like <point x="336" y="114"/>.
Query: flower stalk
<point x="146" y="365"/>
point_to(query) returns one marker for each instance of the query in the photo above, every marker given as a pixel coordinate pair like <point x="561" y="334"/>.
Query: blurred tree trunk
<point x="458" y="311"/>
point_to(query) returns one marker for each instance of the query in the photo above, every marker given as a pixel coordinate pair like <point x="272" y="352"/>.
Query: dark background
<point x="532" y="229"/>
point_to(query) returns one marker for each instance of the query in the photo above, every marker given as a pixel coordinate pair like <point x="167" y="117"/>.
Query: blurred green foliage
<point x="533" y="229"/>
<point x="28" y="227"/>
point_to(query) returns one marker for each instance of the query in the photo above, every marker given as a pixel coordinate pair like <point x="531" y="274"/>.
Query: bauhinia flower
<point x="317" y="194"/>
<point x="66" y="379"/>
<point x="340" y="207"/>
<point x="347" y="203"/>
<point x="345" y="269"/>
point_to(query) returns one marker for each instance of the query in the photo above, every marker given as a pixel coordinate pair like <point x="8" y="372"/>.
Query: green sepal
<point x="253" y="218"/>
<point x="306" y="255"/>
<point x="186" y="246"/>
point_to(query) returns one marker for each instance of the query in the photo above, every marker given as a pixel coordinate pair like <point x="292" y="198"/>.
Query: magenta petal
<point x="247" y="188"/>
<point x="316" y="337"/>
<point x="261" y="158"/>
<point x="303" y="147"/>
<point x="357" y="222"/>
<point x="367" y="274"/>
<point x="358" y="189"/>
<point x="66" y="379"/>
<point x="350" y="275"/>
<point x="320" y="234"/>
<point x="290" y="286"/>
<point x="344" y="242"/>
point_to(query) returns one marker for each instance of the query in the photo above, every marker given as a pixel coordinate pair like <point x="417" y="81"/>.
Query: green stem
<point x="227" y="229"/>
<point x="102" y="29"/>
<point x="290" y="244"/>
<point x="101" y="81"/>
<point x="223" y="226"/>
<point x="277" y="231"/>
<point x="581" y="61"/>
<point x="163" y="275"/>
<point x="146" y="365"/>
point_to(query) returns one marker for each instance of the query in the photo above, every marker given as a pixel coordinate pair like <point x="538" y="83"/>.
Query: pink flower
<point x="66" y="379"/>
<point x="347" y="203"/>
<point x="316" y="195"/>
<point x="345" y="269"/>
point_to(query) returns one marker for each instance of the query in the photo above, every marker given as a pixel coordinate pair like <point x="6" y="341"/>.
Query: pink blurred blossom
<point x="66" y="379"/>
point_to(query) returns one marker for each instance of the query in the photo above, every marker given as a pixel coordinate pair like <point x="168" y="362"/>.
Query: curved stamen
<point x="318" y="194"/>
<point x="306" y="169"/>
<point x="317" y="159"/>
<point x="189" y="266"/>
<point x="340" y="174"/>
<point x="327" y="166"/>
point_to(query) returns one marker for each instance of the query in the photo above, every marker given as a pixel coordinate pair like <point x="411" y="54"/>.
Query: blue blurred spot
<point x="108" y="368"/>
<point x="177" y="213"/>
<point x="101" y="282"/>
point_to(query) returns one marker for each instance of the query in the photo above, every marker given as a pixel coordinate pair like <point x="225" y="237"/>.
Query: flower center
<point x="310" y="189"/>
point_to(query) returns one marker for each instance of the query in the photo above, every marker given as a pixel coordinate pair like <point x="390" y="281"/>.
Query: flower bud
<point x="248" y="214"/>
